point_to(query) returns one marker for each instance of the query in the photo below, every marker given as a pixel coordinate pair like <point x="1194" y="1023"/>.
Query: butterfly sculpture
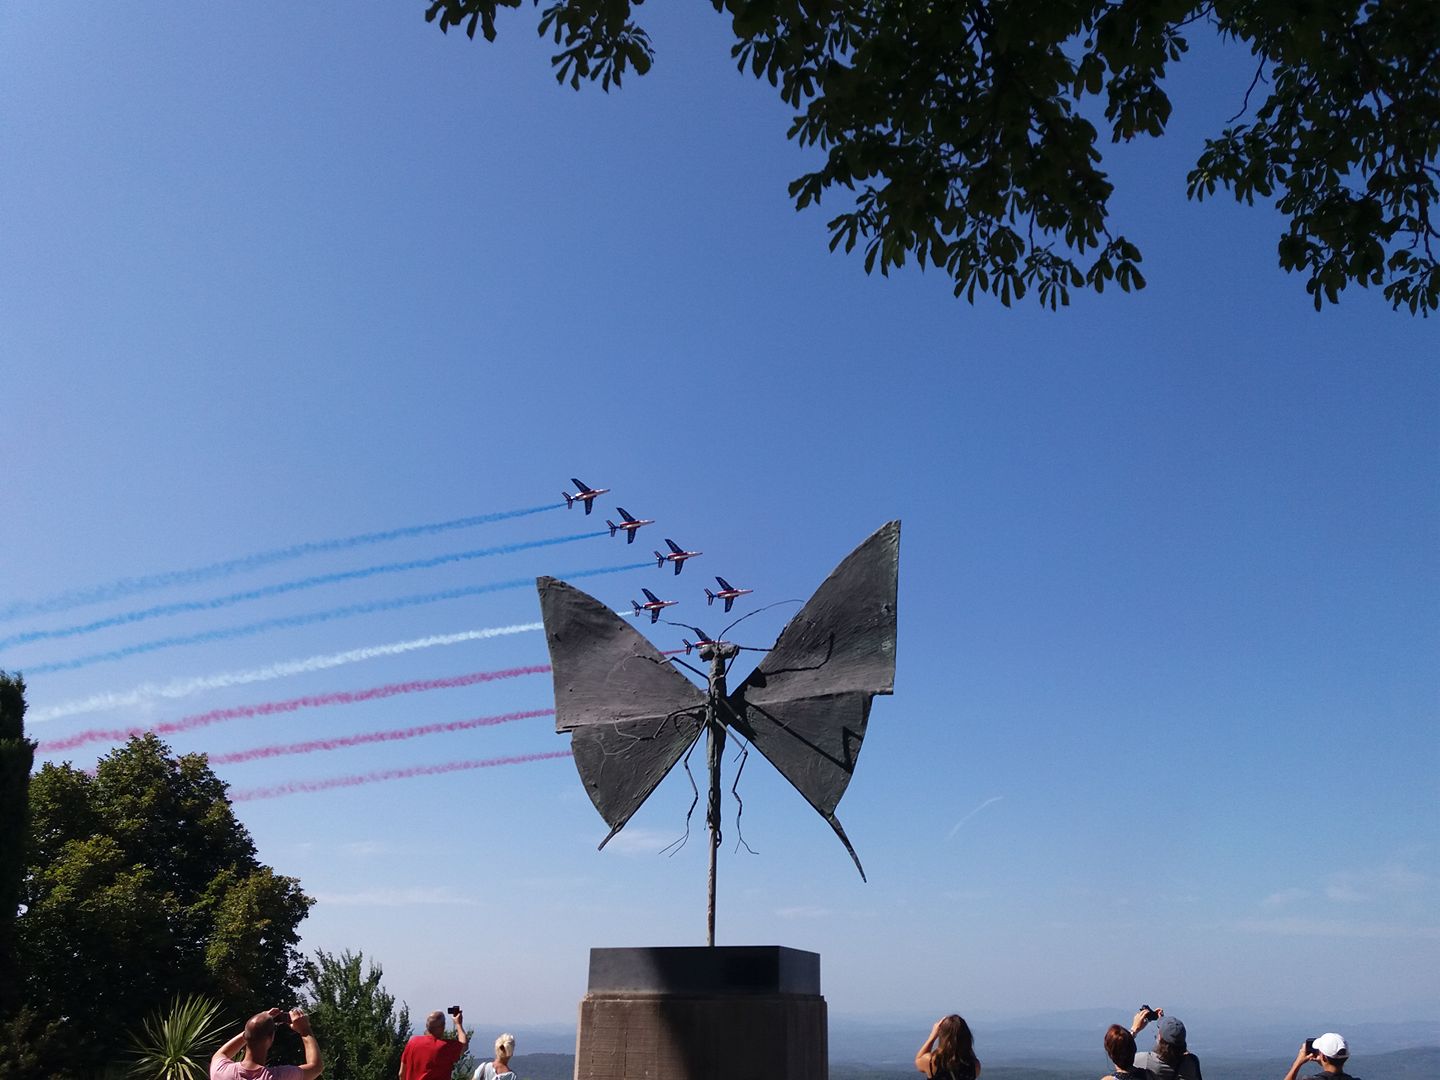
<point x="631" y="716"/>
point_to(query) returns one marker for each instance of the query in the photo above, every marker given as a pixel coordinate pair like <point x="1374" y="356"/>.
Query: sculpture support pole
<point x="714" y="747"/>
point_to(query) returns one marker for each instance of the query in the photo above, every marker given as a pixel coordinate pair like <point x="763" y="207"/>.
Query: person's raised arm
<point x="1143" y="1016"/>
<point x="923" y="1056"/>
<point x="1305" y="1054"/>
<point x="227" y="1051"/>
<point x="460" y="1036"/>
<point x="314" y="1064"/>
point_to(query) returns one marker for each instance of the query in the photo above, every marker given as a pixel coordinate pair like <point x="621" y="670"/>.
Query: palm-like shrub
<point x="177" y="1043"/>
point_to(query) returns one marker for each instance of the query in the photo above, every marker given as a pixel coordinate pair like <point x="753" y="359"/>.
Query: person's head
<point x="259" y="1036"/>
<point x="435" y="1023"/>
<point x="505" y="1047"/>
<point x="954" y="1044"/>
<point x="1333" y="1051"/>
<point x="1120" y="1045"/>
<point x="1170" y="1040"/>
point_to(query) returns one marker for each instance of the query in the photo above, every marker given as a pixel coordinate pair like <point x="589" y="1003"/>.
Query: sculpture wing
<point x="806" y="705"/>
<point x="629" y="713"/>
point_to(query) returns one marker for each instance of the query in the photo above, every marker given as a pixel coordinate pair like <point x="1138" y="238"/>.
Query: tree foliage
<point x="141" y="885"/>
<point x="354" y="1019"/>
<point x="17" y="757"/>
<point x="960" y="130"/>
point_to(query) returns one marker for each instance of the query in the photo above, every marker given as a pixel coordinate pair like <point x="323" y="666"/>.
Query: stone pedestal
<point x="749" y="1012"/>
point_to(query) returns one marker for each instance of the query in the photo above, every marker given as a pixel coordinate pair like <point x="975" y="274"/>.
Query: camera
<point x="283" y="1020"/>
<point x="453" y="1010"/>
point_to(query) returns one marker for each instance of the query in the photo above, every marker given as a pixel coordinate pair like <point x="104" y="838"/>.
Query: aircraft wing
<point x="624" y="514"/>
<point x="807" y="703"/>
<point x="724" y="584"/>
<point x="650" y="596"/>
<point x="629" y="713"/>
<point x="580" y="485"/>
<point x="676" y="548"/>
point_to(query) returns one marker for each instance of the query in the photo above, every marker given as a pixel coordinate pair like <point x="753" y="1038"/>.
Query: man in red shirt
<point x="430" y="1057"/>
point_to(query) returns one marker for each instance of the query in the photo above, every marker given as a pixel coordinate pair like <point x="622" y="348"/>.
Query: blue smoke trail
<point x="179" y="607"/>
<point x="287" y="621"/>
<point x="118" y="590"/>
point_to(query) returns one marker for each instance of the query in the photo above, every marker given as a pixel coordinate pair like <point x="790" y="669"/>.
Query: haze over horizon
<point x="1164" y="721"/>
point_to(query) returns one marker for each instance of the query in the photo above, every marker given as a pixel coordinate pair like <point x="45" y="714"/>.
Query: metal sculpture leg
<point x="715" y="749"/>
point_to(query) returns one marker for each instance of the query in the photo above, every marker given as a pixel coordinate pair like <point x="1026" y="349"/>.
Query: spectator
<point x="1170" y="1058"/>
<point x="499" y="1069"/>
<point x="431" y="1056"/>
<point x="1120" y="1046"/>
<point x="257" y="1036"/>
<point x="1329" y="1050"/>
<point x="949" y="1052"/>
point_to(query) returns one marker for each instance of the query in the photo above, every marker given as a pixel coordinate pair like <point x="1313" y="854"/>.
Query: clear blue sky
<point x="1164" y="722"/>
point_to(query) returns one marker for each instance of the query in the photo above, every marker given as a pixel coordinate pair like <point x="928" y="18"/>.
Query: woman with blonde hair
<point x="949" y="1052"/>
<point x="499" y="1069"/>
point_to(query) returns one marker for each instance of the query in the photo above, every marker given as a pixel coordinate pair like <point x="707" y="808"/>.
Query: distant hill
<point x="1419" y="1063"/>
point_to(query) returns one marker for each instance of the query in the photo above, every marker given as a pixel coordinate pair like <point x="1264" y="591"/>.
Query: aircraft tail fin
<point x="612" y="526"/>
<point x="635" y="606"/>
<point x="709" y="598"/>
<point x="659" y="559"/>
<point x="569" y="499"/>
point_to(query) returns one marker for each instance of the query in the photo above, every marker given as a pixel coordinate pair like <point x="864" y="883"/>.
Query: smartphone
<point x="1310" y="1046"/>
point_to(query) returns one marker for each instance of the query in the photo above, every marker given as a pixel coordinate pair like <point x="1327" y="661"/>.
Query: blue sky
<point x="1164" y="722"/>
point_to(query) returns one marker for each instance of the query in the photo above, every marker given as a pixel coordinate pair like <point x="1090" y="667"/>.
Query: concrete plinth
<point x="750" y="1012"/>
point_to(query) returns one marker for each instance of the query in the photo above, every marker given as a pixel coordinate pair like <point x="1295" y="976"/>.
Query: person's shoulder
<point x="222" y="1070"/>
<point x="286" y="1072"/>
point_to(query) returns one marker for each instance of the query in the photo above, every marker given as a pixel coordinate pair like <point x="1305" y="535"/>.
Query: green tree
<point x="17" y="757"/>
<point x="355" y="1020"/>
<point x="141" y="885"/>
<point x="961" y="130"/>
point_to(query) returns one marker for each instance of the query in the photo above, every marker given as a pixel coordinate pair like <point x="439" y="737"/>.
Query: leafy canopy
<point x="353" y="1017"/>
<point x="958" y="128"/>
<point x="140" y="885"/>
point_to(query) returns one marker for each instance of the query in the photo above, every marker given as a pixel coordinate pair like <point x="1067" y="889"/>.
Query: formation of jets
<point x="630" y="524"/>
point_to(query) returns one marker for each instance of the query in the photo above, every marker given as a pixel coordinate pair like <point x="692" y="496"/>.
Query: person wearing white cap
<point x="1329" y="1050"/>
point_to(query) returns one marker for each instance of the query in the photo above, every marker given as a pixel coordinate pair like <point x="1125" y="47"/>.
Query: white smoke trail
<point x="179" y="688"/>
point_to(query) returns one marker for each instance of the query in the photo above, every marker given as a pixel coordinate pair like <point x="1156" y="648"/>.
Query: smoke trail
<point x="308" y="619"/>
<point x="344" y="741"/>
<point x="179" y="688"/>
<point x="123" y="587"/>
<point x="270" y="708"/>
<point x="297" y="787"/>
<point x="283" y="587"/>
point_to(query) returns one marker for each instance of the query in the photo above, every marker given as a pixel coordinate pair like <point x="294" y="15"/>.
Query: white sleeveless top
<point x="487" y="1072"/>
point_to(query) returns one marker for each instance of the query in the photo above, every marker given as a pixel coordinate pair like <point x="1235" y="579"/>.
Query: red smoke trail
<point x="395" y="735"/>
<point x="269" y="708"/>
<point x="298" y="787"/>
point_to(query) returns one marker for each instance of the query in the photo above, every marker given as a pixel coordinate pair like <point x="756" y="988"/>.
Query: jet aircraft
<point x="727" y="592"/>
<point x="653" y="604"/>
<point x="585" y="495"/>
<point x="676" y="554"/>
<point x="702" y="639"/>
<point x="628" y="523"/>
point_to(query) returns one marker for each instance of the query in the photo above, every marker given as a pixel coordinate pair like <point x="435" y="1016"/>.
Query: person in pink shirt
<point x="256" y="1037"/>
